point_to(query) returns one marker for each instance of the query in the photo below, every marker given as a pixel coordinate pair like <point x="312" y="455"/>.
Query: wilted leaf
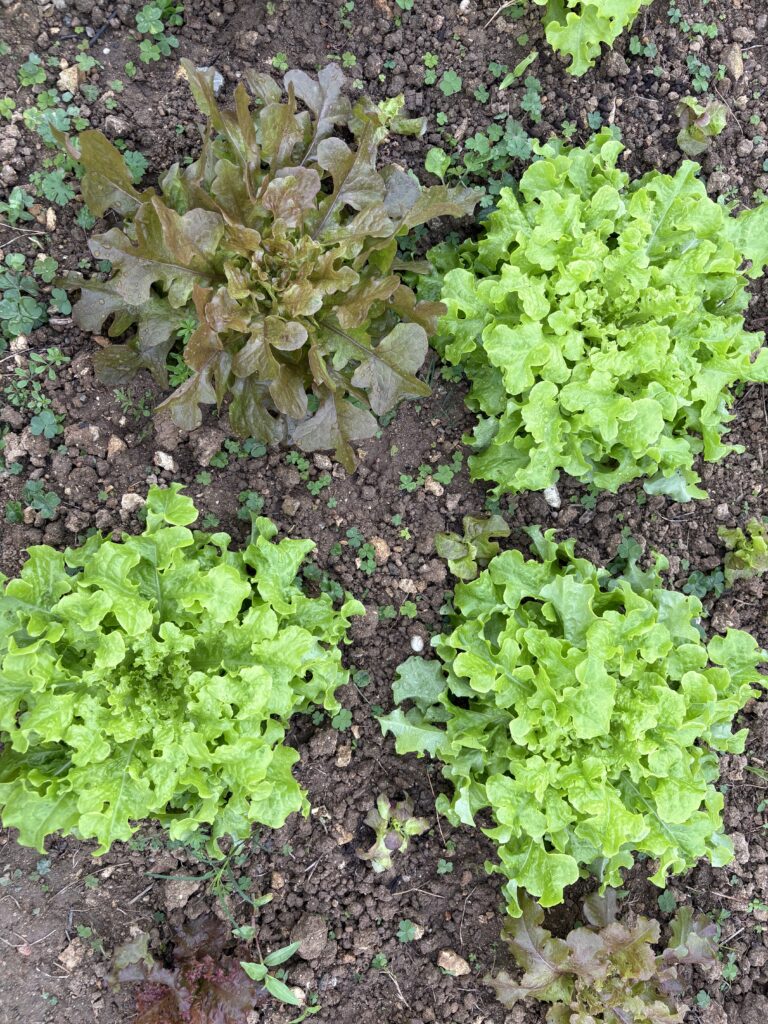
<point x="387" y="375"/>
<point x="156" y="325"/>
<point x="334" y="425"/>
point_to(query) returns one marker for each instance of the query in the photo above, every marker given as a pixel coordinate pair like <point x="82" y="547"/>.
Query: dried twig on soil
<point x="463" y="912"/>
<point x="394" y="981"/>
<point x="503" y="7"/>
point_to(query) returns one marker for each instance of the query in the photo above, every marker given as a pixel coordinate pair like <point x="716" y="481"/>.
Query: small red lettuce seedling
<point x="607" y="971"/>
<point x="200" y="983"/>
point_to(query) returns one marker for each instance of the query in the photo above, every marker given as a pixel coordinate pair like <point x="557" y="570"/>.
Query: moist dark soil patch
<point x="62" y="914"/>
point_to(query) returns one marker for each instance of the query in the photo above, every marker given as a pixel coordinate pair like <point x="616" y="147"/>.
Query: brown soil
<point x="53" y="972"/>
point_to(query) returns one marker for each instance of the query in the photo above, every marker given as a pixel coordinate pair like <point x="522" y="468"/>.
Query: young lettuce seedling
<point x="394" y="825"/>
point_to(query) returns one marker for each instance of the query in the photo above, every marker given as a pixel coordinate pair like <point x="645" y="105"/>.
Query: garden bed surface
<point x="62" y="914"/>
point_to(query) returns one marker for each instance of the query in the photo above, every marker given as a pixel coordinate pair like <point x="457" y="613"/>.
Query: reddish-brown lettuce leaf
<point x="201" y="985"/>
<point x="281" y="237"/>
<point x="606" y="971"/>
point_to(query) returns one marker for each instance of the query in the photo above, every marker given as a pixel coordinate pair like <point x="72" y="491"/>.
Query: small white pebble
<point x="417" y="644"/>
<point x="552" y="497"/>
<point x="464" y="6"/>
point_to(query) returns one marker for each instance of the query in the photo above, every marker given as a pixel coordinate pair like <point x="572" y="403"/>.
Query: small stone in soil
<point x="452" y="963"/>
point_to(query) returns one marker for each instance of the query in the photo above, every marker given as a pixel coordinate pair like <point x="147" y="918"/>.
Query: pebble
<point x="116" y="125"/>
<point x="380" y="549"/>
<point x="740" y="848"/>
<point x="433" y="487"/>
<point x="614" y="65"/>
<point x="130" y="502"/>
<point x="72" y="955"/>
<point x="718" y="182"/>
<point x="722" y="511"/>
<point x="417" y="644"/>
<point x="408" y="586"/>
<point x="7" y="148"/>
<point x="742" y="34"/>
<point x="85" y="437"/>
<point x="12" y="417"/>
<point x="453" y="963"/>
<point x="205" y="443"/>
<point x="165" y="461"/>
<point x="13" y="448"/>
<point x="311" y="932"/>
<point x="552" y="497"/>
<point x="70" y="78"/>
<point x="343" y="758"/>
<point x="178" y="892"/>
<point x="115" y="445"/>
<point x="291" y="506"/>
<point x="733" y="60"/>
<point x="77" y="521"/>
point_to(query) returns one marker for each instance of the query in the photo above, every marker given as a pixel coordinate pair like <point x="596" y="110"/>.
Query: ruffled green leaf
<point x="578" y="28"/>
<point x="600" y="323"/>
<point x="464" y="554"/>
<point x="156" y="677"/>
<point x="747" y="552"/>
<point x="584" y="713"/>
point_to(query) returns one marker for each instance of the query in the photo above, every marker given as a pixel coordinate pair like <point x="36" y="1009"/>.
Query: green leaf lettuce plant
<point x="281" y="239"/>
<point x="747" y="552"/>
<point x="599" y="321"/>
<point x="155" y="677"/>
<point x="699" y="124"/>
<point x="578" y="28"/>
<point x="584" y="714"/>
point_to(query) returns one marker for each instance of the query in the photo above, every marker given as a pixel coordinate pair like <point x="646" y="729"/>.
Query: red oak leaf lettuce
<point x="281" y="238"/>
<point x="604" y="972"/>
